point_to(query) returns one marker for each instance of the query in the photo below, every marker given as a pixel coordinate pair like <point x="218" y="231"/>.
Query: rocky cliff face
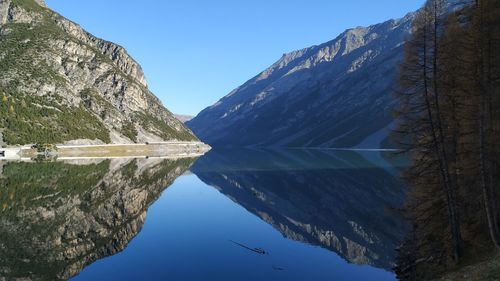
<point x="337" y="94"/>
<point x="337" y="200"/>
<point x="60" y="83"/>
<point x="51" y="227"/>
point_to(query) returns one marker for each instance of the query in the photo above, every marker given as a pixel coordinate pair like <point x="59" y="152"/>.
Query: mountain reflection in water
<point x="56" y="217"/>
<point x="243" y="214"/>
<point x="343" y="201"/>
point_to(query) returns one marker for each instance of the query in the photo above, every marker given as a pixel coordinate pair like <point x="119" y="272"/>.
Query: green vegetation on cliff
<point x="31" y="119"/>
<point x="157" y="126"/>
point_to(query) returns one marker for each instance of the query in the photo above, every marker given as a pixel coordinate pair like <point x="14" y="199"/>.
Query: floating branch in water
<point x="256" y="250"/>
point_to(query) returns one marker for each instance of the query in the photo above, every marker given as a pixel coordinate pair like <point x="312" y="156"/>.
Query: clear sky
<point x="196" y="51"/>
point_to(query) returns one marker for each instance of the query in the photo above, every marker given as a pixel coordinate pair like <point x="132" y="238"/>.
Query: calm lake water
<point x="229" y="215"/>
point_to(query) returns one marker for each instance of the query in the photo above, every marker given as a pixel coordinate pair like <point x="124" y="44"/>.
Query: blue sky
<point x="196" y="51"/>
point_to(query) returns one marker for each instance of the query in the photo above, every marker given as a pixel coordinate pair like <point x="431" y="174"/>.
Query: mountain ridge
<point x="320" y="96"/>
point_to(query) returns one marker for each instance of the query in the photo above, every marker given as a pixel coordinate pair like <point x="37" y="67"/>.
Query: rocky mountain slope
<point x="337" y="94"/>
<point x="60" y="83"/>
<point x="337" y="200"/>
<point x="52" y="226"/>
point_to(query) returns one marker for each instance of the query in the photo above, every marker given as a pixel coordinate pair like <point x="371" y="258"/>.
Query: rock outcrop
<point x="59" y="83"/>
<point x="52" y="226"/>
<point x="337" y="94"/>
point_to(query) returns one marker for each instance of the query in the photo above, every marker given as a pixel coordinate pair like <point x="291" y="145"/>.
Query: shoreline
<point x="85" y="151"/>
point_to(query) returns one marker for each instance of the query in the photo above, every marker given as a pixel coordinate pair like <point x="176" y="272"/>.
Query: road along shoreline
<point x="157" y="149"/>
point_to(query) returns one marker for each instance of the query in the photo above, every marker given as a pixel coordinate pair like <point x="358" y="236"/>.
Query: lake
<point x="232" y="214"/>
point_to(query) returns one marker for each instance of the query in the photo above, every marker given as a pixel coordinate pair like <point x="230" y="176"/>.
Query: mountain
<point x="51" y="226"/>
<point x="183" y="118"/>
<point x="60" y="83"/>
<point x="342" y="201"/>
<point x="337" y="94"/>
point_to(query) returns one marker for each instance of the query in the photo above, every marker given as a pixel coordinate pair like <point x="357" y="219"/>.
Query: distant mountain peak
<point x="183" y="117"/>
